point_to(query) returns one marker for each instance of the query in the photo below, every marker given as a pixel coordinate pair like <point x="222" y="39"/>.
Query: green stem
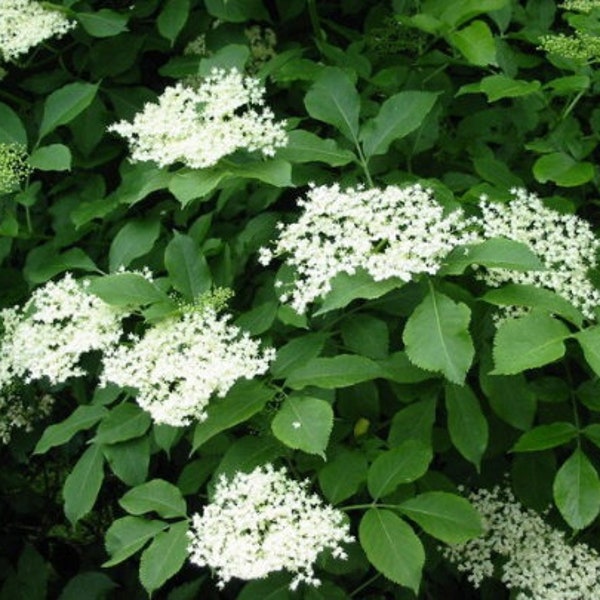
<point x="363" y="162"/>
<point x="314" y="20"/>
<point x="366" y="584"/>
<point x="571" y="105"/>
<point x="368" y="506"/>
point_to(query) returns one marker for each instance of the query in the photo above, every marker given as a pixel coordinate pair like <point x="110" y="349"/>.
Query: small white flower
<point x="262" y="522"/>
<point x="536" y="559"/>
<point x="25" y="24"/>
<point x="48" y="335"/>
<point x="182" y="361"/>
<point x="198" y="125"/>
<point x="393" y="232"/>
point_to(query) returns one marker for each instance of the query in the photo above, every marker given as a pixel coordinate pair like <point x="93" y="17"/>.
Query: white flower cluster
<point x="25" y="23"/>
<point x="262" y="522"/>
<point x="198" y="125"/>
<point x="48" y="335"/>
<point x="16" y="412"/>
<point x="535" y="558"/>
<point x="565" y="244"/>
<point x="390" y="232"/>
<point x="180" y="362"/>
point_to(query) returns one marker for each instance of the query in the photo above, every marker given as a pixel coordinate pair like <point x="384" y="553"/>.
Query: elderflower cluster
<point x="180" y="362"/>
<point x="48" y="335"/>
<point x="581" y="46"/>
<point x="390" y="232"/>
<point x="19" y="412"/>
<point x="25" y="24"/>
<point x="536" y="559"/>
<point x="565" y="244"/>
<point x="584" y="6"/>
<point x="262" y="522"/>
<point x="14" y="167"/>
<point x="198" y="125"/>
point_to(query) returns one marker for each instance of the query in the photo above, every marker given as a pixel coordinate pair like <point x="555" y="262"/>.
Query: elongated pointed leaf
<point x="127" y="535"/>
<point x="437" y="337"/>
<point x="164" y="557"/>
<point x="577" y="490"/>
<point x="64" y="104"/>
<point x="447" y="517"/>
<point x="124" y="422"/>
<point x="83" y="484"/>
<point x="392" y="547"/>
<point x="546" y="436"/>
<point x="333" y="99"/>
<point x="157" y="496"/>
<point x="134" y="239"/>
<point x="83" y="417"/>
<point x="304" y="423"/>
<point x="589" y="340"/>
<point x="187" y="267"/>
<point x="398" y="116"/>
<point x="403" y="464"/>
<point x="467" y="424"/>
<point x="528" y="342"/>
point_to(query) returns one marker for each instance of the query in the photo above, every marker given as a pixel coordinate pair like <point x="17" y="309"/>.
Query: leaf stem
<point x="314" y="20"/>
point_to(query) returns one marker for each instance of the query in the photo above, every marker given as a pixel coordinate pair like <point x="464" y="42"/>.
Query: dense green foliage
<point x="392" y="398"/>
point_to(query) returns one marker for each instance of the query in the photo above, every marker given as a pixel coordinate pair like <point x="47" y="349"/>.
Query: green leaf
<point x="127" y="535"/>
<point x="124" y="422"/>
<point x="437" y="337"/>
<point x="346" y="288"/>
<point x="83" y="417"/>
<point x="156" y="495"/>
<point x="398" y="116"/>
<point x="444" y="516"/>
<point x="188" y="185"/>
<point x="392" y="547"/>
<point x="498" y="253"/>
<point x="476" y="43"/>
<point x="515" y="294"/>
<point x="341" y="477"/>
<point x="304" y="423"/>
<point x="333" y="99"/>
<point x="164" y="557"/>
<point x="259" y="318"/>
<point x="172" y="18"/>
<point x="455" y="14"/>
<point x="55" y="157"/>
<point x="406" y="463"/>
<point x="104" y="23"/>
<point x="397" y="367"/>
<point x="90" y="585"/>
<point x="83" y="484"/>
<point x="589" y="340"/>
<point x="467" y="424"/>
<point x="592" y="433"/>
<point x="127" y="289"/>
<point x="497" y="87"/>
<point x="12" y="130"/>
<point x="366" y="335"/>
<point x="562" y="169"/>
<point x="577" y="490"/>
<point x="510" y="398"/>
<point x="188" y="270"/>
<point x="245" y="399"/>
<point x="129" y="460"/>
<point x="531" y="477"/>
<point x="237" y="11"/>
<point x="296" y="353"/>
<point x="528" y="342"/>
<point x="44" y="262"/>
<point x="64" y="104"/>
<point x="275" y="172"/>
<point x="546" y="436"/>
<point x="274" y="587"/>
<point x="336" y="372"/>
<point x="305" y="147"/>
<point x="413" y="422"/>
<point x="136" y="238"/>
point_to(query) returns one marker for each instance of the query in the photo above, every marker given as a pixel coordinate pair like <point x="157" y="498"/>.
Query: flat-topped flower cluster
<point x="199" y="124"/>
<point x="174" y="368"/>
<point x="536" y="559"/>
<point x="25" y="24"/>
<point x="403" y="233"/>
<point x="263" y="521"/>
